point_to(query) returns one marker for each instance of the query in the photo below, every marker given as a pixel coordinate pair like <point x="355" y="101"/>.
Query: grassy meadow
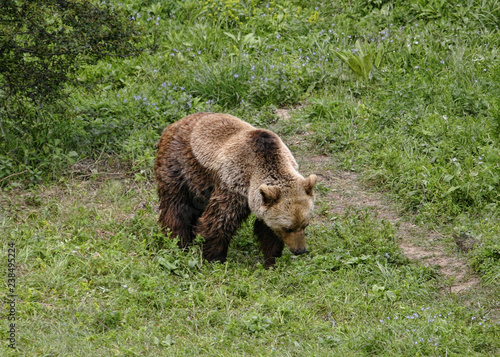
<point x="405" y="94"/>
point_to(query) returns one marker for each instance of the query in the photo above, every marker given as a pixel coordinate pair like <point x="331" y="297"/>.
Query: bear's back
<point x="219" y="139"/>
<point x="233" y="150"/>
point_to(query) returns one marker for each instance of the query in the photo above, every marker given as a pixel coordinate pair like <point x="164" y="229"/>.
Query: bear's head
<point x="287" y="210"/>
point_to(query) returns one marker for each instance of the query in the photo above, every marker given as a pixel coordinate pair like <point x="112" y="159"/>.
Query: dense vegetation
<point x="406" y="93"/>
<point x="42" y="43"/>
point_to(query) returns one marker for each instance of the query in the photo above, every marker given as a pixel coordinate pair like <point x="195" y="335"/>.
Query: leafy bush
<point x="43" y="43"/>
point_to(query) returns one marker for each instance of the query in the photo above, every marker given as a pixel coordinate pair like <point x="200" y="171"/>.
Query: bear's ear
<point x="309" y="183"/>
<point x="270" y="194"/>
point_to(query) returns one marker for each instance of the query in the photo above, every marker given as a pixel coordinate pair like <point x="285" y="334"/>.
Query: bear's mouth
<point x="295" y="242"/>
<point x="298" y="251"/>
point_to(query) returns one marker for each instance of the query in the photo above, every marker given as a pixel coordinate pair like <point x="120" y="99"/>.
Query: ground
<point x="345" y="190"/>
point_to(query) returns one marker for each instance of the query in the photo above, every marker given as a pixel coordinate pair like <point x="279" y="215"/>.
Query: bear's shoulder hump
<point x="264" y="141"/>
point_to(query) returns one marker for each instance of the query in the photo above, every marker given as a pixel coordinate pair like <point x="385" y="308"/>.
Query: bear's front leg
<point x="219" y="222"/>
<point x="270" y="244"/>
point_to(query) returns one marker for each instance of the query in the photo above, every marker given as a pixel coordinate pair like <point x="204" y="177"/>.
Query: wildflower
<point x="236" y="76"/>
<point x="442" y="61"/>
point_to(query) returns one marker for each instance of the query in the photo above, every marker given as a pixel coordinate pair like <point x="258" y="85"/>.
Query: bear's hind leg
<point x="221" y="219"/>
<point x="177" y="213"/>
<point x="270" y="244"/>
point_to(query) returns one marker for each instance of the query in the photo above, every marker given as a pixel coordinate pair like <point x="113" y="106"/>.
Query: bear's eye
<point x="288" y="230"/>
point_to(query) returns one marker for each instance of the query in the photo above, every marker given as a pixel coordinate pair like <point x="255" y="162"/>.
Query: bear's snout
<point x="299" y="251"/>
<point x="296" y="242"/>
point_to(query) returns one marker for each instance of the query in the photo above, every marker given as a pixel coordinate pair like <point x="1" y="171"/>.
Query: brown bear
<point x="213" y="170"/>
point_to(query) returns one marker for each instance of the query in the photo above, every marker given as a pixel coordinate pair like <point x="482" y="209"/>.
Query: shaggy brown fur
<point x="214" y="169"/>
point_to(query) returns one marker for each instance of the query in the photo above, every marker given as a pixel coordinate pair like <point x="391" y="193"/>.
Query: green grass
<point x="89" y="281"/>
<point x="96" y="277"/>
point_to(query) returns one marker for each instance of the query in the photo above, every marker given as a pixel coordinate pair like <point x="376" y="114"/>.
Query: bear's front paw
<point x="269" y="262"/>
<point x="214" y="255"/>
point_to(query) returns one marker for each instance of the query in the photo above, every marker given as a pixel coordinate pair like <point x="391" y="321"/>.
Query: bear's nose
<point x="299" y="251"/>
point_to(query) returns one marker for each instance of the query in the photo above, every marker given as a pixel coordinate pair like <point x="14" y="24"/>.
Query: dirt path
<point x="419" y="244"/>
